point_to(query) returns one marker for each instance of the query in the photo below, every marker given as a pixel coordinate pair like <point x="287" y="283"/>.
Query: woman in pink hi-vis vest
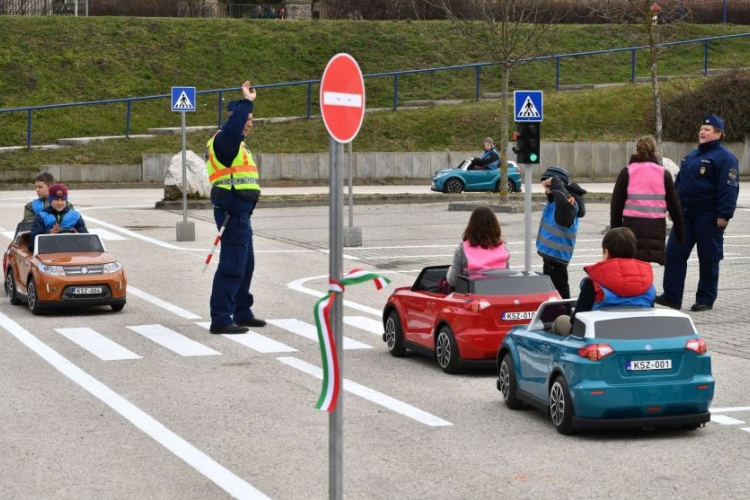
<point x="482" y="247"/>
<point x="643" y="195"/>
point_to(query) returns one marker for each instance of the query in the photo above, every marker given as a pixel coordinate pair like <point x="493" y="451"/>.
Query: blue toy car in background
<point x="619" y="368"/>
<point x="459" y="179"/>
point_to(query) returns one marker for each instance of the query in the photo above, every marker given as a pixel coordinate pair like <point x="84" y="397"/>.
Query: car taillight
<point x="697" y="345"/>
<point x="476" y="305"/>
<point x="595" y="352"/>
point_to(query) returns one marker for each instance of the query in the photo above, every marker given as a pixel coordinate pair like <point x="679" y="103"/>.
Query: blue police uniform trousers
<point x="231" y="299"/>
<point x="701" y="231"/>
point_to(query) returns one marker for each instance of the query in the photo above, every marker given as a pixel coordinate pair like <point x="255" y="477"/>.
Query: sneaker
<point x="229" y="330"/>
<point x="700" y="307"/>
<point x="664" y="302"/>
<point x="252" y="322"/>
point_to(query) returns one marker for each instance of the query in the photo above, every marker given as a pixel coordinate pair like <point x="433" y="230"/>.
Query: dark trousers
<point x="231" y="299"/>
<point x="558" y="273"/>
<point x="701" y="231"/>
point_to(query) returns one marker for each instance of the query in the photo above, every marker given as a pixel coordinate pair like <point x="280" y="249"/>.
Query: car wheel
<point x="33" y="298"/>
<point x="511" y="186"/>
<point x="117" y="307"/>
<point x="394" y="336"/>
<point x="506" y="382"/>
<point x="446" y="350"/>
<point x="561" y="406"/>
<point x="10" y="287"/>
<point x="453" y="186"/>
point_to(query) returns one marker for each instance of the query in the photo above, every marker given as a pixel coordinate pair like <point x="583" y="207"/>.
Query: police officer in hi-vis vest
<point x="234" y="192"/>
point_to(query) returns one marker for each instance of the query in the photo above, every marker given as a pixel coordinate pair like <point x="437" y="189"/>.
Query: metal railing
<point x="392" y="74"/>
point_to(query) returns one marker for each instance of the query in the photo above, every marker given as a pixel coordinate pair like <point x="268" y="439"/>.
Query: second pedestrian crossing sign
<point x="528" y="105"/>
<point x="183" y="98"/>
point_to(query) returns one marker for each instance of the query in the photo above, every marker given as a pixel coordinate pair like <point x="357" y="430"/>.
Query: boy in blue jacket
<point x="57" y="217"/>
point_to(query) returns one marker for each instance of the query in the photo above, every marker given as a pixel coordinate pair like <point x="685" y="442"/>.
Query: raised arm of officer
<point x="227" y="141"/>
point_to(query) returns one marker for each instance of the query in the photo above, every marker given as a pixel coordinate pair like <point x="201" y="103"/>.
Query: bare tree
<point x="510" y="32"/>
<point x="655" y="23"/>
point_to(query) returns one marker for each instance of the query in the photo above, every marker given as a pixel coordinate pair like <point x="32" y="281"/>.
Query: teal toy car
<point x="459" y="179"/>
<point x="619" y="368"/>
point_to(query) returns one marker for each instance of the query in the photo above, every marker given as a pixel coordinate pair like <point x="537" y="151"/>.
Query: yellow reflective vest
<point x="242" y="174"/>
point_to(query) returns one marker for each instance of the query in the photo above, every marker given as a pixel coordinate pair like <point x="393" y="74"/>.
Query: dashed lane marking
<point x="97" y="344"/>
<point x="371" y="395"/>
<point x="724" y="420"/>
<point x="366" y="324"/>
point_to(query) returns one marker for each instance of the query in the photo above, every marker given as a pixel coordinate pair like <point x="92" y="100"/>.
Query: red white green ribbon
<point x="329" y="394"/>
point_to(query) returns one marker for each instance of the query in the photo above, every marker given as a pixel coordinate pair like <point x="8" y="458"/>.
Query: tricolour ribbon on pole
<point x="329" y="394"/>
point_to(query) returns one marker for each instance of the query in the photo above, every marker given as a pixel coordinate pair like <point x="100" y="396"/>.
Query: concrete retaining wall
<point x="600" y="161"/>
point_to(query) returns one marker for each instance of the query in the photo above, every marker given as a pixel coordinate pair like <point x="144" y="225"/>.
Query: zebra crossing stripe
<point x="173" y="341"/>
<point x="723" y="419"/>
<point x="309" y="332"/>
<point x="97" y="344"/>
<point x="364" y="323"/>
<point x="254" y="341"/>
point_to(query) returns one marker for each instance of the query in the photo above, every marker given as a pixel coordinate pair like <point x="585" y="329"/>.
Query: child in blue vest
<point x="57" y="217"/>
<point x="42" y="184"/>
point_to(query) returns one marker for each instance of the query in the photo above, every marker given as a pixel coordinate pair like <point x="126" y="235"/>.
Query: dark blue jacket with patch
<point x="709" y="180"/>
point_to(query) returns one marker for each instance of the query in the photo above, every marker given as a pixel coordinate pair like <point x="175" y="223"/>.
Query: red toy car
<point x="465" y="327"/>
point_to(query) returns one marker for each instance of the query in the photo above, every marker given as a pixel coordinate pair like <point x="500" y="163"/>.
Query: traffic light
<point x="527" y="142"/>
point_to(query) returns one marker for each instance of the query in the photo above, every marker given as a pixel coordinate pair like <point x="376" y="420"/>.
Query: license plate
<point x="89" y="290"/>
<point x="518" y="316"/>
<point x="651" y="364"/>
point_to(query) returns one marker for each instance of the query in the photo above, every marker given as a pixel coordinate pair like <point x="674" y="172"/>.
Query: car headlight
<point x="112" y="267"/>
<point x="438" y="175"/>
<point x="52" y="270"/>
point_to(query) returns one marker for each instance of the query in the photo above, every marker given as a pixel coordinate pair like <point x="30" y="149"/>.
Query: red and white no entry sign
<point x="342" y="98"/>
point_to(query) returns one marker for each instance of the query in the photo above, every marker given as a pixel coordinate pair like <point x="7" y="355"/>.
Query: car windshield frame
<point x="68" y="243"/>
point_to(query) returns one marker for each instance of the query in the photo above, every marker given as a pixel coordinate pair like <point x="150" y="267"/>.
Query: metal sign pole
<point x="351" y="195"/>
<point x="184" y="170"/>
<point x="336" y="258"/>
<point x="527" y="216"/>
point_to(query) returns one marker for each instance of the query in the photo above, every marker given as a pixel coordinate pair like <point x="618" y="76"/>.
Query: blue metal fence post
<point x="478" y="68"/>
<point x="395" y="91"/>
<point x="557" y="74"/>
<point x="28" y="130"/>
<point x="221" y="108"/>
<point x="705" y="58"/>
<point x="127" y="119"/>
<point x="309" y="99"/>
<point x="632" y="66"/>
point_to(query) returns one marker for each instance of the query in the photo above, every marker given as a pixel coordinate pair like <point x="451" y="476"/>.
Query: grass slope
<point x="56" y="60"/>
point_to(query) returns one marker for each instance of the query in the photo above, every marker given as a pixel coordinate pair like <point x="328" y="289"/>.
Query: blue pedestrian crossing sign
<point x="528" y="105"/>
<point x="183" y="98"/>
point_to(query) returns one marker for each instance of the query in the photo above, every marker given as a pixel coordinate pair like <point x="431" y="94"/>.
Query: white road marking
<point x="162" y="303"/>
<point x="132" y="234"/>
<point x="371" y="395"/>
<point x="97" y="344"/>
<point x="106" y="235"/>
<point x="746" y="429"/>
<point x="299" y="286"/>
<point x="8" y="234"/>
<point x="309" y="331"/>
<point x="221" y="476"/>
<point x="173" y="341"/>
<point x="366" y="324"/>
<point x="254" y="341"/>
<point x="724" y="420"/>
<point x="729" y="409"/>
<point x="344" y="99"/>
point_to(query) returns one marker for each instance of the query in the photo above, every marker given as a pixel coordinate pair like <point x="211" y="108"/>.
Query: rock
<point x="671" y="166"/>
<point x="198" y="186"/>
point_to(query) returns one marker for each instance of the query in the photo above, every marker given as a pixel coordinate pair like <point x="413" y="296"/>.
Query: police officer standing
<point x="708" y="185"/>
<point x="235" y="190"/>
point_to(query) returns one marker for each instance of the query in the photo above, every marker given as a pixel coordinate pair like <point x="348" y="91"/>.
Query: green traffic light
<point x="533" y="157"/>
